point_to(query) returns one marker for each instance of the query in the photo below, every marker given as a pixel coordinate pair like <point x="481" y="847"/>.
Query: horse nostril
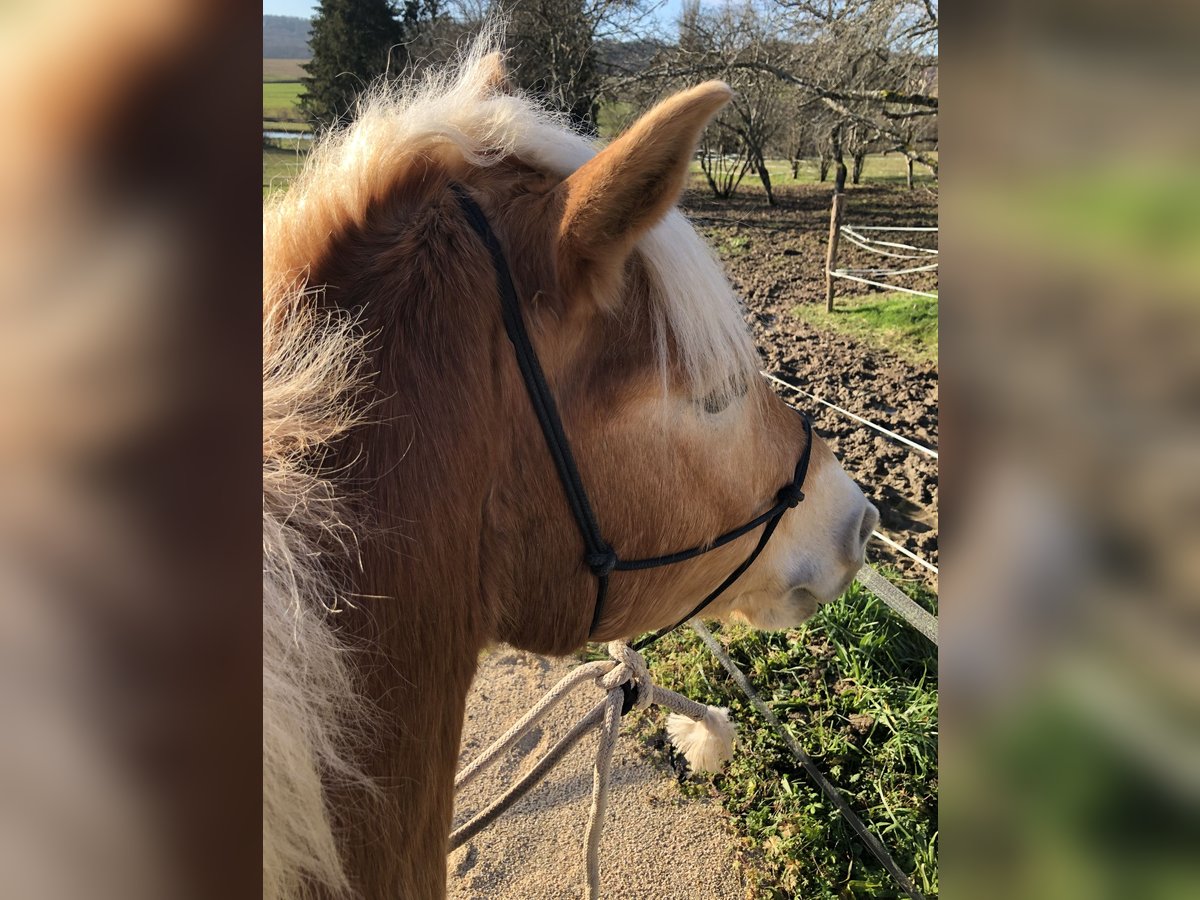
<point x="870" y="519"/>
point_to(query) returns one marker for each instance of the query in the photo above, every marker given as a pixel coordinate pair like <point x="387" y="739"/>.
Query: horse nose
<point x="860" y="530"/>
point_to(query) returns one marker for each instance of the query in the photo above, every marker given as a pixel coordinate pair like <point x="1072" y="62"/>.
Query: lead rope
<point x="706" y="740"/>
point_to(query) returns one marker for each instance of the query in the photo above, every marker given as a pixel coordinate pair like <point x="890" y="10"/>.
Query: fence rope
<point x="905" y="551"/>
<point x="899" y="602"/>
<point x="856" y="229"/>
<point x="872" y="843"/>
<point x="872" y="246"/>
<point x="865" y="246"/>
<point x="927" y="268"/>
<point x="837" y="273"/>
<point x="894" y="227"/>
<point x="899" y="437"/>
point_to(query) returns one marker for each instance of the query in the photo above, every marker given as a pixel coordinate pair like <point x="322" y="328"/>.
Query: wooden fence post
<point x="835" y="226"/>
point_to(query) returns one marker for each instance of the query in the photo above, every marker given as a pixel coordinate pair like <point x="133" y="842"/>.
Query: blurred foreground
<point x="129" y="643"/>
<point x="129" y="623"/>
<point x="1071" y="483"/>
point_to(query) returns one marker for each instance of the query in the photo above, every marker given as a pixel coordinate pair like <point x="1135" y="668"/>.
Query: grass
<point x="879" y="168"/>
<point x="280" y="166"/>
<point x="734" y="245"/>
<point x="857" y="688"/>
<point x="281" y="100"/>
<point x="281" y="112"/>
<point x="613" y="118"/>
<point x="904" y="324"/>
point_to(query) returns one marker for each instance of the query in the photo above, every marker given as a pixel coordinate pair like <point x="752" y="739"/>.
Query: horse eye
<point x="718" y="401"/>
<point x="715" y="403"/>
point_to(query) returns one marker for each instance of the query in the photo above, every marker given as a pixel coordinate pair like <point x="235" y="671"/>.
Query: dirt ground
<point x="776" y="260"/>
<point x="657" y="844"/>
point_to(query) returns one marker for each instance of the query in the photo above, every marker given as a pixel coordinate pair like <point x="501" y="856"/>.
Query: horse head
<point x="678" y="439"/>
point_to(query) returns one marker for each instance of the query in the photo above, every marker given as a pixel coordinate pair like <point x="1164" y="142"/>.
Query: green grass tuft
<point x="858" y="690"/>
<point x="904" y="324"/>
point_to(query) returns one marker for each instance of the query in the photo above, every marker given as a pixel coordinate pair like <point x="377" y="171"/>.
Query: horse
<point x="411" y="513"/>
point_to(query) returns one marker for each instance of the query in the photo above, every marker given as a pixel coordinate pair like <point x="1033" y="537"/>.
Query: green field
<point x="282" y="91"/>
<point x="857" y="688"/>
<point x="281" y="101"/>
<point x="280" y="166"/>
<point x="878" y="168"/>
<point x="283" y="69"/>
<point x="904" y="324"/>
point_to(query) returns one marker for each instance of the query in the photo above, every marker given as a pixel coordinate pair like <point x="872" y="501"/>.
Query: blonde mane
<point x="462" y="107"/>
<point x="312" y="369"/>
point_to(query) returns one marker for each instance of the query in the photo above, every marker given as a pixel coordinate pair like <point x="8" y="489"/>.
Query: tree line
<point x="828" y="80"/>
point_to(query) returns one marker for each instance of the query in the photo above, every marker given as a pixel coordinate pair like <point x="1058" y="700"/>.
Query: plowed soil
<point x="775" y="257"/>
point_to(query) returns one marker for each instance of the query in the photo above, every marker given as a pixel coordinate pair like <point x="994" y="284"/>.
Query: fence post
<point x="835" y="226"/>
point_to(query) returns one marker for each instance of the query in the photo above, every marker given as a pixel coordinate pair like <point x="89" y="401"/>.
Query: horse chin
<point x="772" y="612"/>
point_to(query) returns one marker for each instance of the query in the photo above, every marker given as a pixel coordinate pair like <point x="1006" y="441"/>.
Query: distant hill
<point x="622" y="57"/>
<point x="286" y="37"/>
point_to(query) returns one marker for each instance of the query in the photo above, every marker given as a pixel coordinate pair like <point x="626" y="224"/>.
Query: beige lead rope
<point x="706" y="740"/>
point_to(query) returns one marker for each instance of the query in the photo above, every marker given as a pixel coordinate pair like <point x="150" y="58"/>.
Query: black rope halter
<point x="599" y="556"/>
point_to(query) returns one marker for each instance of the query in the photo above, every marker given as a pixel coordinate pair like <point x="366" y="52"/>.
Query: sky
<point x="302" y="8"/>
<point x="666" y="14"/>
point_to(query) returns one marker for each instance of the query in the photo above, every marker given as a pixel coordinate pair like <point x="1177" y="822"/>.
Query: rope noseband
<point x="600" y="557"/>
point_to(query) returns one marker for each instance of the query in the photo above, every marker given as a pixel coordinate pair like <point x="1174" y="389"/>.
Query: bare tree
<point x="870" y="64"/>
<point x="758" y="113"/>
<point x="555" y="48"/>
<point x="797" y="140"/>
<point x="819" y="123"/>
<point x="717" y="41"/>
<point x="723" y="161"/>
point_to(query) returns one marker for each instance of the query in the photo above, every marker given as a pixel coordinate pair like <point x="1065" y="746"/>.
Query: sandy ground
<point x="657" y="844"/>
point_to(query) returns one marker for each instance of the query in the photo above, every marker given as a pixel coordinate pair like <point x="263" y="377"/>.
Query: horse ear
<point x="611" y="200"/>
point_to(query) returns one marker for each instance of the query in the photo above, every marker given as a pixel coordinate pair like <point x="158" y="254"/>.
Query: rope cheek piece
<point x="599" y="556"/>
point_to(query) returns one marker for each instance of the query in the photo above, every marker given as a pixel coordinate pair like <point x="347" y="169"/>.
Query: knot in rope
<point x="603" y="562"/>
<point x="790" y="494"/>
<point x="630" y="674"/>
